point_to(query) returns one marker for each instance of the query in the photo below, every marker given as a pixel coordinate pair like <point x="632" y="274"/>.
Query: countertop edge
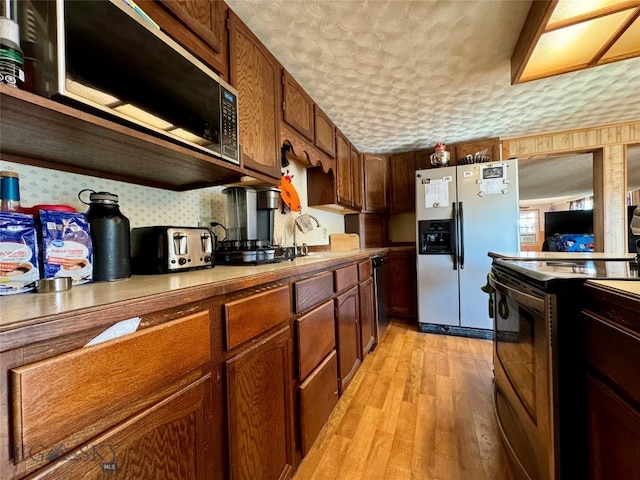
<point x="74" y="310"/>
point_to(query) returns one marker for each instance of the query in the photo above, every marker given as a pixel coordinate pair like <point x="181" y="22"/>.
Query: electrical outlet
<point x="324" y="232"/>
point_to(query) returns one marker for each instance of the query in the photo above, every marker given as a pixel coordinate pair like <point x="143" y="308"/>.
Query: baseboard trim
<point x="456" y="331"/>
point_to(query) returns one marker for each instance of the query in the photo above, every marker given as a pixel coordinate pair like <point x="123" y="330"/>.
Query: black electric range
<point x="549" y="274"/>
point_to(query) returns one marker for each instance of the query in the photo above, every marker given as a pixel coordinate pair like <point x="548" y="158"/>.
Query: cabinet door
<point x="343" y="167"/>
<point x="167" y="441"/>
<point x="203" y="18"/>
<point x="401" y="297"/>
<point x="198" y="25"/>
<point x="348" y="336"/>
<point x="318" y="396"/>
<point x="375" y="182"/>
<point x="356" y="178"/>
<point x="260" y="410"/>
<point x="256" y="74"/>
<point x="81" y="401"/>
<point x="613" y="432"/>
<point x="367" y="316"/>
<point x="316" y="337"/>
<point x="297" y="106"/>
<point x="488" y="146"/>
<point x="402" y="182"/>
<point x="325" y="132"/>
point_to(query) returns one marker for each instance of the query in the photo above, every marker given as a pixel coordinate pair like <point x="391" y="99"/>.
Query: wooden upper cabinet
<point x="356" y="178"/>
<point x="487" y="146"/>
<point x="325" y="132"/>
<point x="204" y="18"/>
<point x="376" y="173"/>
<point x="297" y="106"/>
<point x="422" y="158"/>
<point x="256" y="74"/>
<point x="198" y="25"/>
<point x="343" y="167"/>
<point x="403" y="187"/>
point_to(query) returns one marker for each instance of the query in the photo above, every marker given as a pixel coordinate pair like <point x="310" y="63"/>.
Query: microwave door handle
<point x="454" y="241"/>
<point x="521" y="298"/>
<point x="461" y="243"/>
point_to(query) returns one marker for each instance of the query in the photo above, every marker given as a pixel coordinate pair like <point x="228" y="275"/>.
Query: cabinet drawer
<point x="364" y="270"/>
<point x="312" y="291"/>
<point x="315" y="336"/>
<point x="614" y="352"/>
<point x="318" y="397"/>
<point x="60" y="396"/>
<point x="346" y="277"/>
<point x="250" y="316"/>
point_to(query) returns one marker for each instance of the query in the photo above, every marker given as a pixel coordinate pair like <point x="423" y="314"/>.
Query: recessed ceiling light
<point x="561" y="36"/>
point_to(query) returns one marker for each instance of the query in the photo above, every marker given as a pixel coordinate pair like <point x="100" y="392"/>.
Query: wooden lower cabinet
<point x="611" y="348"/>
<point x="401" y="296"/>
<point x="348" y="336"/>
<point x="260" y="411"/>
<point x="614" y="434"/>
<point x="317" y="396"/>
<point x="367" y="316"/>
<point x="168" y="441"/>
<point x="136" y="406"/>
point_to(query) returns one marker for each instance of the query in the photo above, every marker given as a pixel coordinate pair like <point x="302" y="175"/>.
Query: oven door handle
<point x="535" y="303"/>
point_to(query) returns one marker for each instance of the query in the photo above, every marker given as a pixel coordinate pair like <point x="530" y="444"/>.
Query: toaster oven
<point x="171" y="249"/>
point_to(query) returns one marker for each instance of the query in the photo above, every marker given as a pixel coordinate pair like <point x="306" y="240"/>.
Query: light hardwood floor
<point x="419" y="408"/>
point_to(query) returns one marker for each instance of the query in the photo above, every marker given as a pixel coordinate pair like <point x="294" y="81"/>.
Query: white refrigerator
<point x="462" y="213"/>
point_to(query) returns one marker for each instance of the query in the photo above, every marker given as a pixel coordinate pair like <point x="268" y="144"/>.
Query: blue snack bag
<point x="66" y="246"/>
<point x="18" y="253"/>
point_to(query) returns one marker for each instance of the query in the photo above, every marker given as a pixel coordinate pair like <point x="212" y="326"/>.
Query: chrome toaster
<point x="171" y="249"/>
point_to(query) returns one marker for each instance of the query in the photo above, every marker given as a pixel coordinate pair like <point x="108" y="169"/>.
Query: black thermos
<point x="110" y="235"/>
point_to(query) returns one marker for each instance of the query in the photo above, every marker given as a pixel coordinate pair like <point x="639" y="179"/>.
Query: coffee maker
<point x="250" y="225"/>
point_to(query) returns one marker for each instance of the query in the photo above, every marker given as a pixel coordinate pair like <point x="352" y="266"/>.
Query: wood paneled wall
<point x="609" y="147"/>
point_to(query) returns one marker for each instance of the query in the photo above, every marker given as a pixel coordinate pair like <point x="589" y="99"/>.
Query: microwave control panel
<point x="229" y="123"/>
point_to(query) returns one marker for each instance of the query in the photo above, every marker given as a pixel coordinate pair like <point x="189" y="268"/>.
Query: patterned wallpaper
<point x="145" y="206"/>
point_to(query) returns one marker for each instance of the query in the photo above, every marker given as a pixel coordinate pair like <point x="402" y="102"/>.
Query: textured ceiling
<point x="402" y="75"/>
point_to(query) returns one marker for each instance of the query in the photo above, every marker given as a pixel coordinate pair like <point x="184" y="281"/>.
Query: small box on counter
<point x="67" y="250"/>
<point x="18" y="253"/>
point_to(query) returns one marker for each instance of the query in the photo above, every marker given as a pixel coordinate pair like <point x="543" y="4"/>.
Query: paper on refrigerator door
<point x="436" y="193"/>
<point x="493" y="180"/>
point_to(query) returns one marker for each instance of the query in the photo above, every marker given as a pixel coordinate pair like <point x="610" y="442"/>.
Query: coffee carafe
<point x="110" y="237"/>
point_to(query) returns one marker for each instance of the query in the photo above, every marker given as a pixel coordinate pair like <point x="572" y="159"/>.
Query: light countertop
<point x="628" y="287"/>
<point x="31" y="308"/>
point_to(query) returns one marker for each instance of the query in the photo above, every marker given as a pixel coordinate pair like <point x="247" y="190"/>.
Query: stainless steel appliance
<point x="110" y="58"/>
<point x="249" y="227"/>
<point x="462" y="213"/>
<point x="161" y="249"/>
<point x="537" y="388"/>
<point x="379" y="264"/>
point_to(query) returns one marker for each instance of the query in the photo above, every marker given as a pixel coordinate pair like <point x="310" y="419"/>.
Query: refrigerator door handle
<point x="461" y="218"/>
<point x="454" y="240"/>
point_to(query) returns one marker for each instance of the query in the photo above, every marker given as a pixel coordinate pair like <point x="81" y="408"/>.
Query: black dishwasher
<point x="379" y="263"/>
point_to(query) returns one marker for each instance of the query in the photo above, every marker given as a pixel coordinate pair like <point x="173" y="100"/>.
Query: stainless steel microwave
<point x="108" y="57"/>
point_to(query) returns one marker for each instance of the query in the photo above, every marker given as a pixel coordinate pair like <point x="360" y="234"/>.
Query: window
<point x="528" y="226"/>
